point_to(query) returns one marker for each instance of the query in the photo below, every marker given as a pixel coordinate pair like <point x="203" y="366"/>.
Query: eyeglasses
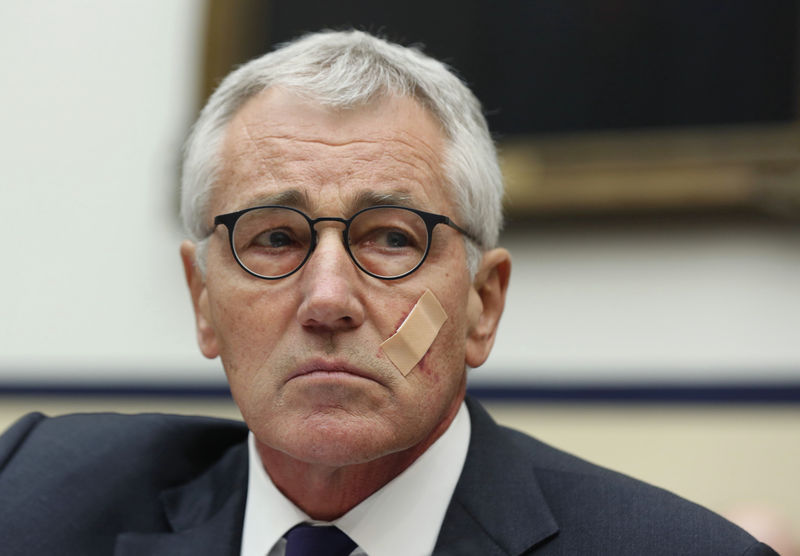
<point x="386" y="242"/>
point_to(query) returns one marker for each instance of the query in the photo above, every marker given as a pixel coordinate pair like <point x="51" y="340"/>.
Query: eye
<point x="387" y="239"/>
<point x="387" y="232"/>
<point x="273" y="239"/>
<point x="394" y="238"/>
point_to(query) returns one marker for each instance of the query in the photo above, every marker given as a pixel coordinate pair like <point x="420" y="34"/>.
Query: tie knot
<point x="311" y="540"/>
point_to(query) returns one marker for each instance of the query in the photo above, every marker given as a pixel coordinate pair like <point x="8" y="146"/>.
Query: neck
<point x="325" y="492"/>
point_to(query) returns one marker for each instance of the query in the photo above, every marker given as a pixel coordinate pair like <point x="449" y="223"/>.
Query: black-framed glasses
<point x="386" y="241"/>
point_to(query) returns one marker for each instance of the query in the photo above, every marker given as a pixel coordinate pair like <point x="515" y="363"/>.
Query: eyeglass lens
<point x="384" y="241"/>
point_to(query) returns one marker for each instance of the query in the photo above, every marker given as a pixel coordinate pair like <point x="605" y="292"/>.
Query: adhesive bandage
<point x="406" y="347"/>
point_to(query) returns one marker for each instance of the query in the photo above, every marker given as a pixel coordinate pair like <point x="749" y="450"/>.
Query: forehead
<point x="278" y="142"/>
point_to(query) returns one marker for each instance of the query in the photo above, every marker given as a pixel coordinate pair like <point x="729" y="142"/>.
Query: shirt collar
<point x="403" y="517"/>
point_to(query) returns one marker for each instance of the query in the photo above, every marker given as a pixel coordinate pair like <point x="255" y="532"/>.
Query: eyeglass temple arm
<point x="455" y="226"/>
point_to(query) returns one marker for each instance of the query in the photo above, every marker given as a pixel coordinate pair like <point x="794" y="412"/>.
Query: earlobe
<point x="485" y="306"/>
<point x="206" y="336"/>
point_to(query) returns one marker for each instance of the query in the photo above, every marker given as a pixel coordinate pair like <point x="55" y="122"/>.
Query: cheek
<point x="449" y="349"/>
<point x="445" y="359"/>
<point x="425" y="368"/>
<point x="400" y="321"/>
<point x="444" y="362"/>
<point x="247" y="323"/>
<point x="380" y="354"/>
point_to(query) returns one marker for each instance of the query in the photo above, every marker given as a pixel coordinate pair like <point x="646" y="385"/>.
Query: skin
<point x="333" y="418"/>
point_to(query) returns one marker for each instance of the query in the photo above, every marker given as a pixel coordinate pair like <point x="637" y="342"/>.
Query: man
<point x="343" y="198"/>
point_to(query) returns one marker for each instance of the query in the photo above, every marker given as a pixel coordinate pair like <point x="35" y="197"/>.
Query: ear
<point x="206" y="336"/>
<point x="487" y="298"/>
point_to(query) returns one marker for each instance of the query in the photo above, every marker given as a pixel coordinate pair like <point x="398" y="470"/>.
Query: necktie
<point x="308" y="540"/>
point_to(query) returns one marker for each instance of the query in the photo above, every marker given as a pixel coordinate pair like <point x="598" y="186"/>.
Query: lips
<point x="321" y="368"/>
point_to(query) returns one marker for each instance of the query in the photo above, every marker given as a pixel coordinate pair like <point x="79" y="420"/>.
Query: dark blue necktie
<point x="308" y="540"/>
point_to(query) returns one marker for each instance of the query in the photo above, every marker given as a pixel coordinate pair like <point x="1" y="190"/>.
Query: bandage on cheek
<point x="406" y="347"/>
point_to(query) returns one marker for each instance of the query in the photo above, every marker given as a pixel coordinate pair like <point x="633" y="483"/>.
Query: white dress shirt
<point x="403" y="518"/>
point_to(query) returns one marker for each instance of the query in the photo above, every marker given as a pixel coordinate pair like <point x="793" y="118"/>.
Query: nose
<point x="329" y="284"/>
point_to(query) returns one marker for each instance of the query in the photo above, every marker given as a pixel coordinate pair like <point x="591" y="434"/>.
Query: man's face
<point x="302" y="353"/>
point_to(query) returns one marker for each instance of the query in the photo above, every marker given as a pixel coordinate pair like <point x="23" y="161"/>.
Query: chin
<point x="336" y="441"/>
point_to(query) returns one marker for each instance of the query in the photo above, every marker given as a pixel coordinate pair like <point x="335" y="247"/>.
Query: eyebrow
<point x="367" y="199"/>
<point x="289" y="197"/>
<point x="299" y="199"/>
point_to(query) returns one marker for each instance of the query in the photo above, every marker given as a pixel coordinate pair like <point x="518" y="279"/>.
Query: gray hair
<point x="347" y="70"/>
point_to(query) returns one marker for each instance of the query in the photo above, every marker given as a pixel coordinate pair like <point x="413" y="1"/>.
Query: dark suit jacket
<point x="169" y="485"/>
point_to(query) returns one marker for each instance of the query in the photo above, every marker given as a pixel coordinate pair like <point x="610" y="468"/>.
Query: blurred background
<point x="652" y="154"/>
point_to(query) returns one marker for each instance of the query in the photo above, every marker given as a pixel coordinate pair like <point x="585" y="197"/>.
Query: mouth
<point x="319" y="369"/>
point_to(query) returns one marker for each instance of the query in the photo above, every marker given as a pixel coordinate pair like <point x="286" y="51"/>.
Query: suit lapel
<point x="498" y="507"/>
<point x="206" y="514"/>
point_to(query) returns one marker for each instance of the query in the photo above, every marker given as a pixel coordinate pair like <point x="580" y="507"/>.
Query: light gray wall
<point x="684" y="302"/>
<point x="96" y="99"/>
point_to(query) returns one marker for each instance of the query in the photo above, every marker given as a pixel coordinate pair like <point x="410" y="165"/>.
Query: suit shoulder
<point x="584" y="496"/>
<point x="590" y="509"/>
<point x="85" y="441"/>
<point x="83" y="478"/>
<point x="15" y="436"/>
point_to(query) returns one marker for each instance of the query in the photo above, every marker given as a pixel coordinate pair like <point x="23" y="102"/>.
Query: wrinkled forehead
<point x="280" y="141"/>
